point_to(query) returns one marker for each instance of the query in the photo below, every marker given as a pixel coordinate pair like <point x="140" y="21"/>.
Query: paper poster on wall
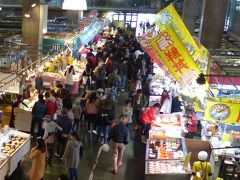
<point x="222" y="111"/>
<point x="168" y="17"/>
<point x="175" y="56"/>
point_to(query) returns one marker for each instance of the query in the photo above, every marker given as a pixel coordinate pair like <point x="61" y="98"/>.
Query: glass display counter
<point x="165" y="156"/>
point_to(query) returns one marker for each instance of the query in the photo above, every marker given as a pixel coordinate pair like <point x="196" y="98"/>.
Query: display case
<point x="13" y="145"/>
<point x="167" y="125"/>
<point x="166" y="156"/>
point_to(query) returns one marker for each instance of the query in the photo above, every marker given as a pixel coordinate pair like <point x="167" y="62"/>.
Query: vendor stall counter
<point x="24" y="115"/>
<point x="14" y="145"/>
<point x="165" y="158"/>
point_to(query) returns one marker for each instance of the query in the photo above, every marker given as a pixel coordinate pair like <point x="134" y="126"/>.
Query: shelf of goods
<point x="14" y="145"/>
<point x="221" y="137"/>
<point x="24" y="115"/>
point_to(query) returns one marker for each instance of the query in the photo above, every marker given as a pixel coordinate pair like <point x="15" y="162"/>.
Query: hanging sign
<point x="168" y="17"/>
<point x="144" y="40"/>
<point x="175" y="56"/>
<point x="87" y="35"/>
<point x="222" y="111"/>
<point x="87" y="21"/>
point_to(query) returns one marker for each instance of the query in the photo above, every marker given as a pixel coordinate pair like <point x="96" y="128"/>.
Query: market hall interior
<point x="182" y="56"/>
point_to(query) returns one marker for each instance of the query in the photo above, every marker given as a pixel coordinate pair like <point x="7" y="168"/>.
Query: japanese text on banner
<point x="175" y="56"/>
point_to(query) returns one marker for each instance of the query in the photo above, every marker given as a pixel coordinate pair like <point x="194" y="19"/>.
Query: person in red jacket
<point x="51" y="104"/>
<point x="148" y="115"/>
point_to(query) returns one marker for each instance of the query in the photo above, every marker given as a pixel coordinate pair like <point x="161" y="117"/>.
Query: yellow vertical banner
<point x="168" y="17"/>
<point x="175" y="56"/>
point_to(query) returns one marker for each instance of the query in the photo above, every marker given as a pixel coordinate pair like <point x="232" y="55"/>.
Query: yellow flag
<point x="175" y="56"/>
<point x="187" y="160"/>
<point x="168" y="17"/>
<point x="224" y="112"/>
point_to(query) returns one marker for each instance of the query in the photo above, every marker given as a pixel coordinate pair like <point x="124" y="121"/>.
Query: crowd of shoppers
<point x="119" y="65"/>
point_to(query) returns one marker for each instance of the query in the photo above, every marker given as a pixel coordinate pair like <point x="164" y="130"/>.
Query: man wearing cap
<point x="120" y="136"/>
<point x="202" y="169"/>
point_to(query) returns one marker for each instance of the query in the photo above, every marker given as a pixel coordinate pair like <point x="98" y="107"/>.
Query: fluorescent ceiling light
<point x="75" y="5"/>
<point x="27" y="15"/>
<point x="0" y="8"/>
<point x="33" y="5"/>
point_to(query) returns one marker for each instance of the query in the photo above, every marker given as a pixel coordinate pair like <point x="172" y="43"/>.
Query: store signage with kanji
<point x="175" y="56"/>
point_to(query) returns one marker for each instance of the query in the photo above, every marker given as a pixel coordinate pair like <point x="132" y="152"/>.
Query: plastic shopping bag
<point x="105" y="147"/>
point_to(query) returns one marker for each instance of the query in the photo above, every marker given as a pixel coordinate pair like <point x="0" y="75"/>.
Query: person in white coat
<point x="166" y="103"/>
<point x="69" y="78"/>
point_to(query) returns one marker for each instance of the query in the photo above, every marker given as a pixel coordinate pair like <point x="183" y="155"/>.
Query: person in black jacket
<point x="66" y="124"/>
<point x="39" y="83"/>
<point x="67" y="101"/>
<point x="15" y="104"/>
<point x="106" y="119"/>
<point x="39" y="110"/>
<point x="120" y="137"/>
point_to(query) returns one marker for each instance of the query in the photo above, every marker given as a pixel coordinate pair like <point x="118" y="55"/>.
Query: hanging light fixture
<point x="27" y="15"/>
<point x="75" y="5"/>
<point x="33" y="5"/>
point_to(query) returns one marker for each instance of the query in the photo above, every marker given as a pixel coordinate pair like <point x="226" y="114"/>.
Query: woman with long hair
<point x="71" y="155"/>
<point x="69" y="78"/>
<point x="91" y="110"/>
<point x="165" y="103"/>
<point x="38" y="156"/>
